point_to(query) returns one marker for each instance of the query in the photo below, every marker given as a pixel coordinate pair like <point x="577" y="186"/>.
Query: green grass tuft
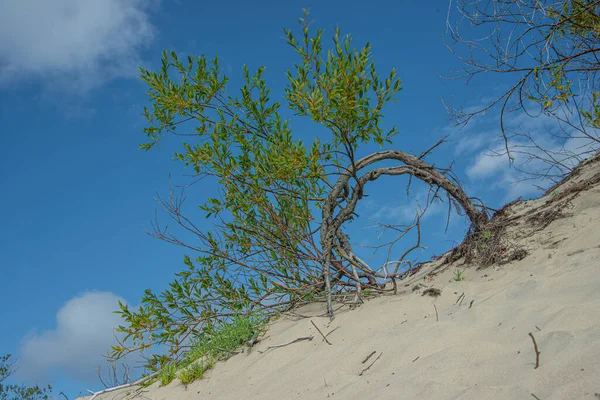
<point x="458" y="275"/>
<point x="167" y="374"/>
<point x="192" y="372"/>
<point x="224" y="339"/>
<point x="218" y="343"/>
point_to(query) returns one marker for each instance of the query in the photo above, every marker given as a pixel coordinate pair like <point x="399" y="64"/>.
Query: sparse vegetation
<point x="550" y="49"/>
<point x="278" y="234"/>
<point x="225" y="340"/>
<point x="194" y="371"/>
<point x="459" y="275"/>
<point x="114" y="375"/>
<point x="167" y="374"/>
<point x="16" y="391"/>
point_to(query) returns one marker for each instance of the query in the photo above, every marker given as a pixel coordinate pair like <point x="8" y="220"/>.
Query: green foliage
<point x="336" y="90"/>
<point x="167" y="374"/>
<point x="18" y="392"/>
<point x="459" y="275"/>
<point x="550" y="49"/>
<point x="260" y="253"/>
<point x="191" y="373"/>
<point x="223" y="340"/>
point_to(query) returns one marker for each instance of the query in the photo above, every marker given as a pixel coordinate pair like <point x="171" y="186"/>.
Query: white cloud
<point x="471" y="143"/>
<point x="83" y="334"/>
<point x="541" y="155"/>
<point x="487" y="163"/>
<point x="542" y="149"/>
<point x="80" y="43"/>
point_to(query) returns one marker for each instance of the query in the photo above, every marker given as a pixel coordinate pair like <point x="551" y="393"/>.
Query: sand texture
<point x="470" y="342"/>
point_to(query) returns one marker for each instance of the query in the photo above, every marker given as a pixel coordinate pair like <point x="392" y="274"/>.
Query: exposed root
<point x="494" y="245"/>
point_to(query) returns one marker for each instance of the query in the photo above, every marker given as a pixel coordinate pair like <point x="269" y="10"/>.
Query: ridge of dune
<point x="471" y="342"/>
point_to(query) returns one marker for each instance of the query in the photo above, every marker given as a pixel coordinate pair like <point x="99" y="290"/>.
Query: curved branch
<point x="333" y="239"/>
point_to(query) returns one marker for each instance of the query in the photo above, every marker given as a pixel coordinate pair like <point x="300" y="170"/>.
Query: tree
<point x="277" y="233"/>
<point x="18" y="392"/>
<point x="550" y="50"/>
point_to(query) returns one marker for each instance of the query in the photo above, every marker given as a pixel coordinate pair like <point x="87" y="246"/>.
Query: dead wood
<point x="321" y="333"/>
<point x="370" y="365"/>
<point x="369" y="356"/>
<point x="300" y="339"/>
<point x="537" y="351"/>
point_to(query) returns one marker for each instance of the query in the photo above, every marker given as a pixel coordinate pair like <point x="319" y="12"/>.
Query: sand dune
<point x="477" y="346"/>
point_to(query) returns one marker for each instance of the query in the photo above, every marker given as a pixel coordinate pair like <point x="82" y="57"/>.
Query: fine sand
<point x="454" y="346"/>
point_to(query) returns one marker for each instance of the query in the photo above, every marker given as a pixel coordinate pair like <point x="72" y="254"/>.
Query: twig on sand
<point x="437" y="317"/>
<point x="535" y="396"/>
<point x="318" y="330"/>
<point x="287" y="344"/>
<point x="331" y="331"/>
<point x="138" y="382"/>
<point x="370" y="365"/>
<point x="471" y="303"/>
<point x="369" y="356"/>
<point x="537" y="351"/>
<point x="460" y="298"/>
<point x="416" y="359"/>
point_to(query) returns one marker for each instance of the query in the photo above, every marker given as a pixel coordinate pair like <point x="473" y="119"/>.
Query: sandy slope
<point x="479" y="348"/>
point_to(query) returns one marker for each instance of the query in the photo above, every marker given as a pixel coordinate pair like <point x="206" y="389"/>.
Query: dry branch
<point x="321" y="333"/>
<point x="138" y="382"/>
<point x="335" y="213"/>
<point x="369" y="356"/>
<point x="300" y="339"/>
<point x="550" y="49"/>
<point x="370" y="365"/>
<point x="537" y="352"/>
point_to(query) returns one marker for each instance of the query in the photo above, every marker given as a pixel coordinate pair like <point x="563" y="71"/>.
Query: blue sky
<point x="77" y="193"/>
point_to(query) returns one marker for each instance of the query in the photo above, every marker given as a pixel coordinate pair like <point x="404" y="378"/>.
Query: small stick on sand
<point x="369" y="367"/>
<point x="471" y="303"/>
<point x="459" y="298"/>
<point x="416" y="359"/>
<point x="437" y="318"/>
<point x="331" y="331"/>
<point x="318" y="330"/>
<point x="537" y="352"/>
<point x="535" y="396"/>
<point x="369" y="356"/>
<point x="287" y="344"/>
